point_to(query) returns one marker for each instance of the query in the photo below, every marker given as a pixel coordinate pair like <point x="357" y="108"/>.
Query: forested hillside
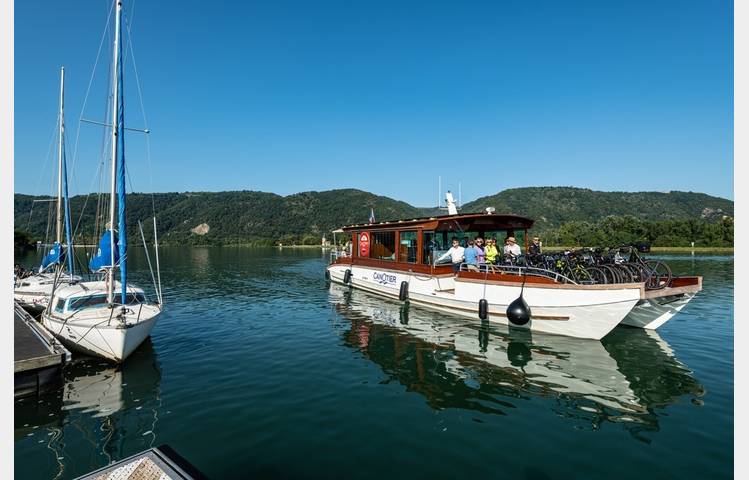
<point x="563" y="215"/>
<point x="241" y="217"/>
<point x="550" y="207"/>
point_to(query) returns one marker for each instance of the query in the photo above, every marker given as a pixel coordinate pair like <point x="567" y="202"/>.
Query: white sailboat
<point x="33" y="292"/>
<point x="106" y="318"/>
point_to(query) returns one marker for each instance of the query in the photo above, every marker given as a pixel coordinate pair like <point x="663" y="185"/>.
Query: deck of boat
<point x="37" y="357"/>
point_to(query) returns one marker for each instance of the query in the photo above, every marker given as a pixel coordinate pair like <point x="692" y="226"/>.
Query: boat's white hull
<point x="576" y="312"/>
<point x="653" y="313"/>
<point x="113" y="340"/>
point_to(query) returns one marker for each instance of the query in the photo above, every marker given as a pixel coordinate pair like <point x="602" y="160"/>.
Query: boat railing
<point x="518" y="270"/>
<point x="336" y="254"/>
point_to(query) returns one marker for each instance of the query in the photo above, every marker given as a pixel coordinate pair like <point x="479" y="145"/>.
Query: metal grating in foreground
<point x="160" y="463"/>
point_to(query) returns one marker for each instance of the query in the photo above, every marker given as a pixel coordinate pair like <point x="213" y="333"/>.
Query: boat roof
<point x="466" y="222"/>
<point x="91" y="288"/>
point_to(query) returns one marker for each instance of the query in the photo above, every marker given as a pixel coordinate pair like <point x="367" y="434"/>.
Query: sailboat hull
<point x="83" y="321"/>
<point x="112" y="341"/>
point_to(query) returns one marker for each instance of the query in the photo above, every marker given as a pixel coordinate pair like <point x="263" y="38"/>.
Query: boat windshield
<point x="94" y="301"/>
<point x="60" y="305"/>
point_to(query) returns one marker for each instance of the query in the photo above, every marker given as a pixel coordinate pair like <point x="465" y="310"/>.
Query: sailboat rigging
<point x="33" y="292"/>
<point x="107" y="318"/>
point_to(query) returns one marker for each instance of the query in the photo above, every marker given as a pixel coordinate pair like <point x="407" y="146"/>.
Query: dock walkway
<point x="37" y="357"/>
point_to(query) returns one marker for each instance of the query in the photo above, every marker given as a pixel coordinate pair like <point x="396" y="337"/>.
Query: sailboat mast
<point x="64" y="176"/>
<point x="61" y="131"/>
<point x="121" y="171"/>
<point x="115" y="115"/>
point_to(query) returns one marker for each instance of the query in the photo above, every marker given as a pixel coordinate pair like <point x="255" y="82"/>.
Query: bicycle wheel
<point x="598" y="276"/>
<point x="611" y="275"/>
<point x="624" y="273"/>
<point x="583" y="276"/>
<point x="637" y="271"/>
<point x="659" y="275"/>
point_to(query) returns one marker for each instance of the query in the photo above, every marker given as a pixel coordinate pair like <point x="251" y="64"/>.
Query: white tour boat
<point x="107" y="318"/>
<point x="398" y="259"/>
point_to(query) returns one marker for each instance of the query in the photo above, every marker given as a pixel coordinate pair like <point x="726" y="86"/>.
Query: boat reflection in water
<point x="91" y="420"/>
<point x="458" y="363"/>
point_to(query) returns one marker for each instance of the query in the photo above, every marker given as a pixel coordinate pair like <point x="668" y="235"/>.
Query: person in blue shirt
<point x="471" y="256"/>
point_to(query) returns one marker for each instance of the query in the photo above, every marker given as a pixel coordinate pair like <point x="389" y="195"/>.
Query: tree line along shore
<point x="564" y="216"/>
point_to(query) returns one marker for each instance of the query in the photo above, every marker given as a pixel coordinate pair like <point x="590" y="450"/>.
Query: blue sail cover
<point x="53" y="256"/>
<point x="121" y="173"/>
<point x="103" y="257"/>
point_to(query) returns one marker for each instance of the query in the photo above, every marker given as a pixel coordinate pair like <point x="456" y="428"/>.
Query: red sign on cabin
<point x="364" y="244"/>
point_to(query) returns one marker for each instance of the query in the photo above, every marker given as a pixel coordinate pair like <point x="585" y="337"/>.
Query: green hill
<point x="249" y="217"/>
<point x="239" y="217"/>
<point x="550" y="207"/>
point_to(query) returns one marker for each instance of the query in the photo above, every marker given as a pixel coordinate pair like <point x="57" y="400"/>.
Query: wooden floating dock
<point x="38" y="358"/>
<point x="155" y="463"/>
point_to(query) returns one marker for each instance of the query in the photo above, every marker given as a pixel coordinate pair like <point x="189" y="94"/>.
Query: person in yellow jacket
<point x="491" y="251"/>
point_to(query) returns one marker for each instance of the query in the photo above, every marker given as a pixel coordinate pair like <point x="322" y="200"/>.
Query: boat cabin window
<point x="435" y="244"/>
<point x="60" y="305"/>
<point x="383" y="246"/>
<point x="95" y="301"/>
<point x="428" y="248"/>
<point x="407" y="246"/>
<point x="90" y="301"/>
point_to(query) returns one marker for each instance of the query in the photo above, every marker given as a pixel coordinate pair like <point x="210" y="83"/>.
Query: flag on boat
<point x="103" y="257"/>
<point x="371" y="215"/>
<point x="52" y="257"/>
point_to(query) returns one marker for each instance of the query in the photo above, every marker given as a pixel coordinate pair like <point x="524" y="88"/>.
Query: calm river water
<point x="258" y="368"/>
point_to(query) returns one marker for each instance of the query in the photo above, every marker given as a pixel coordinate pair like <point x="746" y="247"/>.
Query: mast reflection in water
<point x="104" y="412"/>
<point x="627" y="378"/>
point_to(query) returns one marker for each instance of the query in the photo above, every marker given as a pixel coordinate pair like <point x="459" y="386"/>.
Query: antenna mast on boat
<point x="439" y="191"/>
<point x="115" y="125"/>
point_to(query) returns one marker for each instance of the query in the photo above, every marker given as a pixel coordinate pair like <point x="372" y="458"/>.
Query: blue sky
<point x="385" y="96"/>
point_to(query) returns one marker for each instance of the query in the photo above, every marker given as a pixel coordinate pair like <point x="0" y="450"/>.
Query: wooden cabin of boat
<point x="409" y="245"/>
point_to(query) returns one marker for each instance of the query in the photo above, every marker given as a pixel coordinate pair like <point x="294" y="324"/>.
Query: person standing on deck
<point x="456" y="254"/>
<point x="480" y="252"/>
<point x="491" y="251"/>
<point x="471" y="255"/>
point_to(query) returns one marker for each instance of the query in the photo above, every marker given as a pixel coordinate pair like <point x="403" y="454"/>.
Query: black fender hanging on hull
<point x="403" y="293"/>
<point x="518" y="311"/>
